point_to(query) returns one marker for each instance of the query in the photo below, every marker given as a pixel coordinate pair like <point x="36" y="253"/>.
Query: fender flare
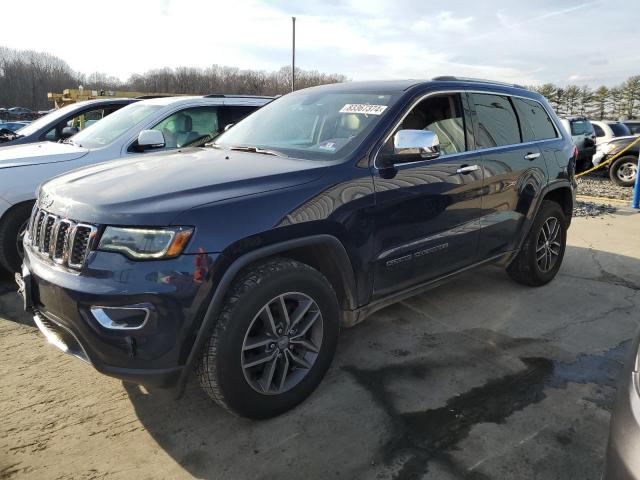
<point x="535" y="207"/>
<point x="216" y="302"/>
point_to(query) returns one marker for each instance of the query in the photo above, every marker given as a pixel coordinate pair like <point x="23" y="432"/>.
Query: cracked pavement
<point x="479" y="378"/>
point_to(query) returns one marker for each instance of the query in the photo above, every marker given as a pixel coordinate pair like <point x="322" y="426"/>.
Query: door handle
<point x="464" y="169"/>
<point x="531" y="156"/>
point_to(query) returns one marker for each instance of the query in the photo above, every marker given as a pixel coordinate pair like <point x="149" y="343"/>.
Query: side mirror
<point x="148" y="139"/>
<point x="68" y="132"/>
<point x="411" y="145"/>
<point x="228" y="126"/>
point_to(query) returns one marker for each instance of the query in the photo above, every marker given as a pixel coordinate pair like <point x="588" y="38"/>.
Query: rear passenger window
<point x="536" y="124"/>
<point x="497" y="121"/>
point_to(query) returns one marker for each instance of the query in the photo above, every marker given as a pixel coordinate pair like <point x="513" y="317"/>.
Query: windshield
<point x="310" y="124"/>
<point x="106" y="131"/>
<point x="619" y="129"/>
<point x="580" y="127"/>
<point x="41" y="122"/>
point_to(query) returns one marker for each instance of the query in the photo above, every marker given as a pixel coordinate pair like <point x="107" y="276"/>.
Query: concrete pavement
<point x="480" y="378"/>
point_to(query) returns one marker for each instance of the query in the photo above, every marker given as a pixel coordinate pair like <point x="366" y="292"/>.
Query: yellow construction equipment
<point x="73" y="95"/>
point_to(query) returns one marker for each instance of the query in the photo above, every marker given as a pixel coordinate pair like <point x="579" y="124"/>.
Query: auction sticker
<point x="363" y="108"/>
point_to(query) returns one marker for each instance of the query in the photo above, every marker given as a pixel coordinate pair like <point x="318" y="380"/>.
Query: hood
<point x="38" y="153"/>
<point x="152" y="189"/>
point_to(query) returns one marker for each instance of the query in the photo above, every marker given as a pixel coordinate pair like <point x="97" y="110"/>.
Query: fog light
<point x="122" y="318"/>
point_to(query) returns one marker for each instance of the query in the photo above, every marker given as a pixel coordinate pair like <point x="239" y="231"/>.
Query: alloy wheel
<point x="548" y="244"/>
<point x="282" y="343"/>
<point x="19" y="245"/>
<point x="626" y="171"/>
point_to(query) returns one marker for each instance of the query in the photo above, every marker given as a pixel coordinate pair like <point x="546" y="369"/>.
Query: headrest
<point x="350" y="121"/>
<point x="184" y="123"/>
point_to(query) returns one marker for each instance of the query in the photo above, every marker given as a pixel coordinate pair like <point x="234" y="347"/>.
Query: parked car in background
<point x="244" y="259"/>
<point x="622" y="461"/>
<point x="16" y="113"/>
<point x="606" y="130"/>
<point x="611" y="138"/>
<point x="584" y="138"/>
<point x="633" y="126"/>
<point x="13" y="126"/>
<point x="65" y="122"/>
<point x="148" y="125"/>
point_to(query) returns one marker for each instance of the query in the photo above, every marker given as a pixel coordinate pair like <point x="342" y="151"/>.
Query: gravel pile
<point x="600" y="186"/>
<point x="590" y="209"/>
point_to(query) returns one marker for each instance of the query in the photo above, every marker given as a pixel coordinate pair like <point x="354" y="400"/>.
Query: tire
<point x="624" y="170"/>
<point x="225" y="370"/>
<point x="11" y="228"/>
<point x="526" y="267"/>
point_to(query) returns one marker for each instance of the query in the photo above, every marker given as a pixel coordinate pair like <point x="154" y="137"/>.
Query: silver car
<point x="149" y="125"/>
<point x="623" y="459"/>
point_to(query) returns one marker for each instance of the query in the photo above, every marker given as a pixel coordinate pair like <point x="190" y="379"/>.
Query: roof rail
<point x="225" y="95"/>
<point x="445" y="78"/>
<point x="149" y="97"/>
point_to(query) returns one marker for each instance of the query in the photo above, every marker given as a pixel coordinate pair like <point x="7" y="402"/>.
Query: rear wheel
<point x="624" y="170"/>
<point x="274" y="340"/>
<point x="12" y="229"/>
<point x="541" y="255"/>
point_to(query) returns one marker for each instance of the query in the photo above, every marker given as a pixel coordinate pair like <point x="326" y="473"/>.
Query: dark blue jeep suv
<point x="241" y="261"/>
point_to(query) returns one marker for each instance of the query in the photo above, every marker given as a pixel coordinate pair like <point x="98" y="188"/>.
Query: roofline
<point x="230" y="95"/>
<point x="451" y="78"/>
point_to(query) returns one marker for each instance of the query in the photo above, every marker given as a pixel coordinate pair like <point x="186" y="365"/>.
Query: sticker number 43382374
<point x="363" y="108"/>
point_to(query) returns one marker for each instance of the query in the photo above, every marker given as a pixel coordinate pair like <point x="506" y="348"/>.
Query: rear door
<point x="427" y="211"/>
<point x="513" y="165"/>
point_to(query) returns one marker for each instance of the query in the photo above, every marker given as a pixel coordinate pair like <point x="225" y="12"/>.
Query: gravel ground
<point x="596" y="185"/>
<point x="591" y="209"/>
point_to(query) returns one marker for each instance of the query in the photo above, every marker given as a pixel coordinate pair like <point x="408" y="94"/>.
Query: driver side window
<point x="443" y="115"/>
<point x="186" y="126"/>
<point x="80" y="122"/>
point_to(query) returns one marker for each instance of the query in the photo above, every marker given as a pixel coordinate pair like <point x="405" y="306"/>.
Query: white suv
<point x="150" y="125"/>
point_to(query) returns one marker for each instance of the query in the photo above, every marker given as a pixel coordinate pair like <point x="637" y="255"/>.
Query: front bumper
<point x="622" y="460"/>
<point x="174" y="292"/>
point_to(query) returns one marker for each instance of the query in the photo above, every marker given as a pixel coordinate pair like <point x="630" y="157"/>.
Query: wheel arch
<point x="15" y="206"/>
<point x="323" y="252"/>
<point x="563" y="196"/>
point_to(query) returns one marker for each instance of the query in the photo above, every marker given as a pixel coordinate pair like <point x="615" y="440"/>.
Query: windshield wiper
<point x="265" y="151"/>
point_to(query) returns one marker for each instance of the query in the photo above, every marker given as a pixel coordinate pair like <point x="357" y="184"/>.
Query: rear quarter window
<point x="619" y="129"/>
<point x="536" y="123"/>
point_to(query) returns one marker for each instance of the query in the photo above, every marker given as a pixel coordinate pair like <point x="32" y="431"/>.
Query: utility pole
<point x="293" y="56"/>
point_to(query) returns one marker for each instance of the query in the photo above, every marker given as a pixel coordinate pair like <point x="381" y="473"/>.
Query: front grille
<point x="61" y="239"/>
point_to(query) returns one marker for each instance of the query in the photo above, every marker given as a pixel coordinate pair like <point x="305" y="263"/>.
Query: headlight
<point x="145" y="243"/>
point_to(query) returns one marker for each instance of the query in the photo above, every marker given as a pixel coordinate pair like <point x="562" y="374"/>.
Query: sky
<point x="522" y="41"/>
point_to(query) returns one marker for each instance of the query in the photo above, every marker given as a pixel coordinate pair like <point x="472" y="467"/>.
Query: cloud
<point x="525" y="42"/>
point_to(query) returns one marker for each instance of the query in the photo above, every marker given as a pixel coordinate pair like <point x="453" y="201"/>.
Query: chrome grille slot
<point x="60" y="245"/>
<point x="80" y="243"/>
<point x="47" y="231"/>
<point x="37" y="226"/>
<point x="61" y="239"/>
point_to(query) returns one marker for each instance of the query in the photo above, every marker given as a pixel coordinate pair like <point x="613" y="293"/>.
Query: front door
<point x="427" y="216"/>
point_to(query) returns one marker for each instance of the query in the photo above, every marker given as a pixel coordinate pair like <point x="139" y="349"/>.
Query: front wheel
<point x="624" y="170"/>
<point x="274" y="340"/>
<point x="541" y="254"/>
